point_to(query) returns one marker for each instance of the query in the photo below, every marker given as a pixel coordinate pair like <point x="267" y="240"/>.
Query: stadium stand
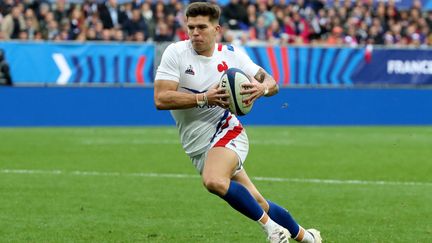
<point x="350" y="23"/>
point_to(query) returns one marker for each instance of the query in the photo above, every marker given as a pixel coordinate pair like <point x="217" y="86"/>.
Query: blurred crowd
<point x="346" y="22"/>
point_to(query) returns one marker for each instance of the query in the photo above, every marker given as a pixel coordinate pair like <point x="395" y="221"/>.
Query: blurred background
<point x="92" y="62"/>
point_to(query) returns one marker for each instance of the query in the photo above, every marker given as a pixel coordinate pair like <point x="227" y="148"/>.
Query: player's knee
<point x="216" y="186"/>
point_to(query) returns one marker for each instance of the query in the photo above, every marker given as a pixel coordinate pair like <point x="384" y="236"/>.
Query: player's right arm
<point x="166" y="96"/>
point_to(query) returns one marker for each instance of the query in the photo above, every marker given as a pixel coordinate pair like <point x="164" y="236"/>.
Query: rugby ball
<point x="232" y="81"/>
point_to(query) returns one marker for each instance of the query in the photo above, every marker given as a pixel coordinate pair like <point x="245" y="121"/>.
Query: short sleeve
<point x="169" y="68"/>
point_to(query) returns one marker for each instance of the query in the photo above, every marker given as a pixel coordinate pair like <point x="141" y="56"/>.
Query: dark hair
<point x="204" y="9"/>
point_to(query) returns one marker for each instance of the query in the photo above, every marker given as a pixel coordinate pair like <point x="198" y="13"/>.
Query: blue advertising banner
<point x="333" y="66"/>
<point x="395" y="67"/>
<point x="322" y="66"/>
<point x="67" y="63"/>
<point x="114" y="63"/>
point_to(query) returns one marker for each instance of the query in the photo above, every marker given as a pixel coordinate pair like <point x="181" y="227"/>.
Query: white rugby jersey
<point x="197" y="74"/>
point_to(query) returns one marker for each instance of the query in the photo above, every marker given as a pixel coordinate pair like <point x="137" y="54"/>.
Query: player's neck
<point x="207" y="53"/>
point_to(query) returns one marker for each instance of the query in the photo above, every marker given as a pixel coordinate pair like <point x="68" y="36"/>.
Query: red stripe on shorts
<point x="230" y="135"/>
<point x="226" y="123"/>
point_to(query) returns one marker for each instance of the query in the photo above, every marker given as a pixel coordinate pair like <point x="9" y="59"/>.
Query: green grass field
<point x="355" y="184"/>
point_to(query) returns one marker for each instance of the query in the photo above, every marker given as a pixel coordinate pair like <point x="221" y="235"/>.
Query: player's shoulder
<point x="226" y="48"/>
<point x="231" y="51"/>
<point x="179" y="47"/>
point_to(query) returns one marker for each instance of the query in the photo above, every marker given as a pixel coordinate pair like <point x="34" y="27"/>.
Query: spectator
<point x="60" y="11"/>
<point x="163" y="33"/>
<point x="374" y="36"/>
<point x="106" y="35"/>
<point x="6" y="7"/>
<point x="336" y="36"/>
<point x="258" y="32"/>
<point x="5" y="77"/>
<point x="429" y="19"/>
<point x="267" y="15"/>
<point x="76" y="23"/>
<point x="136" y="24"/>
<point x="52" y="30"/>
<point x="251" y="15"/>
<point x="42" y="15"/>
<point x="91" y="34"/>
<point x="118" y="35"/>
<point x="171" y="8"/>
<point x="297" y="28"/>
<point x="32" y="24"/>
<point x="350" y="38"/>
<point x="181" y="33"/>
<point x="99" y="28"/>
<point x="159" y="11"/>
<point x="147" y="15"/>
<point x="111" y="15"/>
<point x="234" y="15"/>
<point x="139" y="36"/>
<point x="13" y="23"/>
<point x="275" y="33"/>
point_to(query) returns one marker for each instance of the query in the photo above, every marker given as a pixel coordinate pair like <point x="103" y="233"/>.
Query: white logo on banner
<point x="65" y="71"/>
<point x="409" y="67"/>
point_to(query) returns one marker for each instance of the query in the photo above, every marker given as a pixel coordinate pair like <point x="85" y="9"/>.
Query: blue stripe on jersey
<point x="225" y="115"/>
<point x="194" y="91"/>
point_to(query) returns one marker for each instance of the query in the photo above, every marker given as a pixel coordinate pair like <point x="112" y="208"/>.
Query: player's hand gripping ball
<point x="232" y="81"/>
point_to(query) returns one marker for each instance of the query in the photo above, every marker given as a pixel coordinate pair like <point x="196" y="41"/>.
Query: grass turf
<point x="83" y="185"/>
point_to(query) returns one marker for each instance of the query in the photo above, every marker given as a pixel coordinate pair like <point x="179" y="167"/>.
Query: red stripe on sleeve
<point x="219" y="47"/>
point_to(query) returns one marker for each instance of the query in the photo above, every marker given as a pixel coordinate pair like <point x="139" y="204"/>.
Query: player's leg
<point x="276" y="212"/>
<point x="220" y="165"/>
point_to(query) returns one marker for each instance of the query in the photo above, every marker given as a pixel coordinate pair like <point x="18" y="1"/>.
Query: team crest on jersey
<point x="190" y="70"/>
<point x="222" y="67"/>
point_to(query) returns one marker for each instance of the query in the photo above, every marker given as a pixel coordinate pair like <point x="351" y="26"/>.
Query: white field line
<point x="189" y="176"/>
<point x="104" y="141"/>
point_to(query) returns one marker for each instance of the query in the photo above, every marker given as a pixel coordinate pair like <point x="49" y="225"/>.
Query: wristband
<point x="199" y="102"/>
<point x="202" y="102"/>
<point x="205" y="99"/>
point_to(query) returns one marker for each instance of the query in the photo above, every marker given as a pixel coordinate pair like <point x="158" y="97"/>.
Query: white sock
<point x="307" y="237"/>
<point x="269" y="226"/>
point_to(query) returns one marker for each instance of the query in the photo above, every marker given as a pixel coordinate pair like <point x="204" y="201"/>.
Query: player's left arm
<point x="262" y="84"/>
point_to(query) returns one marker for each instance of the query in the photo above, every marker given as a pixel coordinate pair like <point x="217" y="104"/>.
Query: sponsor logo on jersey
<point x="190" y="70"/>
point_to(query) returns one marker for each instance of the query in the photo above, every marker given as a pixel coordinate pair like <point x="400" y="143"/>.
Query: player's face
<point x="202" y="33"/>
